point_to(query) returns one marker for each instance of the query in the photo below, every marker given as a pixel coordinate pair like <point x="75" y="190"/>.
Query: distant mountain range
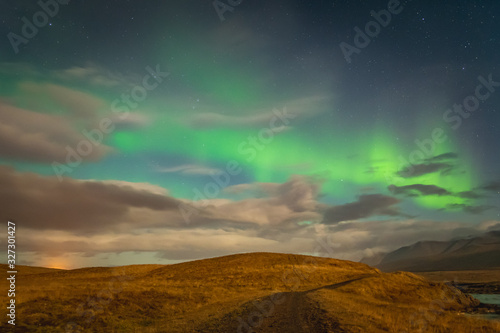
<point x="478" y="252"/>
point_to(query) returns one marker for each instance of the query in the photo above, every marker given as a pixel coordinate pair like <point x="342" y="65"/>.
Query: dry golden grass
<point x="400" y="302"/>
<point x="209" y="295"/>
<point x="27" y="270"/>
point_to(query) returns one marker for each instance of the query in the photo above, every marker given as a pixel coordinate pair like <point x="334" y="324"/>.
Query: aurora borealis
<point x="156" y="132"/>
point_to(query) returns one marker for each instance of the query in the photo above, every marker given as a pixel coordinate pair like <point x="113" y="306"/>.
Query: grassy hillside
<point x="271" y="292"/>
<point x="28" y="270"/>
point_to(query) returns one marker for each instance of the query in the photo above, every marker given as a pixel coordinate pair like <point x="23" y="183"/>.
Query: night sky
<point x="161" y="131"/>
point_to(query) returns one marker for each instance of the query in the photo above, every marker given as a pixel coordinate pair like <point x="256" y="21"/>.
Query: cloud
<point x="417" y="190"/>
<point x="89" y="206"/>
<point x="469" y="195"/>
<point x="54" y="120"/>
<point x="171" y="244"/>
<point x="445" y="156"/>
<point x="476" y="210"/>
<point x="493" y="186"/>
<point x="441" y="163"/>
<point x="69" y="102"/>
<point x="78" y="206"/>
<point x="303" y="107"/>
<point x="240" y="188"/>
<point x="277" y="204"/>
<point x="417" y="170"/>
<point x="190" y="169"/>
<point x="367" y="205"/>
<point x="92" y="218"/>
<point x="93" y="75"/>
<point x="132" y="121"/>
<point x="349" y="240"/>
<point x="95" y="218"/>
<point x="299" y="193"/>
<point x="140" y="187"/>
<point x="212" y="120"/>
<point x="31" y="136"/>
<point x="489" y="225"/>
<point x="90" y="74"/>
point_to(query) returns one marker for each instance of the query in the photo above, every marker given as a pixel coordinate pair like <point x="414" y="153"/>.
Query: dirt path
<point x="290" y="312"/>
<point x="299" y="313"/>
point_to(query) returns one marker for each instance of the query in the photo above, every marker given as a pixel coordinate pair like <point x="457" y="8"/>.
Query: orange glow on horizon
<point x="57" y="263"/>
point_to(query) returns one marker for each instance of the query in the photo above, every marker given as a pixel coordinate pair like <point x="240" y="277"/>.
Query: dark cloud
<point x="366" y="206"/>
<point x="493" y="186"/>
<point x="40" y="202"/>
<point x="89" y="207"/>
<point x="300" y="193"/>
<point x="351" y="240"/>
<point x="476" y="210"/>
<point x="442" y="157"/>
<point x="277" y="204"/>
<point x="441" y="163"/>
<point x="469" y="195"/>
<point x="416" y="190"/>
<point x="417" y="170"/>
<point x="372" y="170"/>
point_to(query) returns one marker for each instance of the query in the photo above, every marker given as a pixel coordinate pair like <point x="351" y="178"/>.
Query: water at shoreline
<point x="489" y="316"/>
<point x="487" y="299"/>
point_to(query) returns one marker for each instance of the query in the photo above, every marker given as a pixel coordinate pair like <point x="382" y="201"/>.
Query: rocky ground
<point x="479" y="288"/>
